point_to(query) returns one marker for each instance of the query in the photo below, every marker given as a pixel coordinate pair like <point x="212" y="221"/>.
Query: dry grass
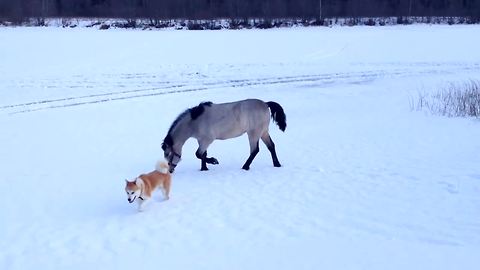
<point x="455" y="100"/>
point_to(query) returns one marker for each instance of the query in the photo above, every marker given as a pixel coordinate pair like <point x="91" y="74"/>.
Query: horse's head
<point x="169" y="154"/>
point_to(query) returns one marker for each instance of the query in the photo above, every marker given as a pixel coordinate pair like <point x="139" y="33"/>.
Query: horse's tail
<point x="278" y="115"/>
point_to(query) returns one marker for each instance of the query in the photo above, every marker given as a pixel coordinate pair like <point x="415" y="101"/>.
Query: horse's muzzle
<point x="171" y="167"/>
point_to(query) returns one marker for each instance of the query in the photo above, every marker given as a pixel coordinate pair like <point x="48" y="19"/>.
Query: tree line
<point x="236" y="9"/>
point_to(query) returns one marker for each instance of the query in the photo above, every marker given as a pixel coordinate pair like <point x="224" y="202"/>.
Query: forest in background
<point x="234" y="14"/>
<point x="313" y="12"/>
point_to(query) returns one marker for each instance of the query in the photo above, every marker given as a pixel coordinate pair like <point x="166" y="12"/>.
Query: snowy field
<point x="366" y="182"/>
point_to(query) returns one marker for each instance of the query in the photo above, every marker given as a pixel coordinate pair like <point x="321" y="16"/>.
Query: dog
<point x="142" y="187"/>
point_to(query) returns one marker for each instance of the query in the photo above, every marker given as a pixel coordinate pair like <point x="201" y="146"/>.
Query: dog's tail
<point x="162" y="167"/>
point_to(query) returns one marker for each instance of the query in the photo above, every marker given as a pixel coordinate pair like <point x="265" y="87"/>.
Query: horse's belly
<point x="230" y="134"/>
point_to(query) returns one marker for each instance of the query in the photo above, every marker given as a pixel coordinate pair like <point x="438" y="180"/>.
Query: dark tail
<point x="278" y="115"/>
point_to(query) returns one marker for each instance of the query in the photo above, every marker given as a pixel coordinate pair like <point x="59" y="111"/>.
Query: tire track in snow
<point x="179" y="88"/>
<point x="183" y="87"/>
<point x="228" y="83"/>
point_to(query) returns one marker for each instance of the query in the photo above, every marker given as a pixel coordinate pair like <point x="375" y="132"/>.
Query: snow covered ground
<point x="366" y="182"/>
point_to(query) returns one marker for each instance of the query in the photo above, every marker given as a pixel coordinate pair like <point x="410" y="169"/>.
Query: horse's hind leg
<point x="254" y="149"/>
<point x="271" y="147"/>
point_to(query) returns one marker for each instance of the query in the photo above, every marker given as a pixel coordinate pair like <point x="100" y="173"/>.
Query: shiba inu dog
<point x="142" y="187"/>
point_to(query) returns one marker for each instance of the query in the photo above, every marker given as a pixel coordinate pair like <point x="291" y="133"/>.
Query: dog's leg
<point x="142" y="203"/>
<point x="165" y="193"/>
<point x="166" y="186"/>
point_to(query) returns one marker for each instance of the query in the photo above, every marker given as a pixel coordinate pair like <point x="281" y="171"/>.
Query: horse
<point x="209" y="121"/>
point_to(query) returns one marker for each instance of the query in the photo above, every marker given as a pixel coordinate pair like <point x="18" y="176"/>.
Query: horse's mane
<point x="194" y="112"/>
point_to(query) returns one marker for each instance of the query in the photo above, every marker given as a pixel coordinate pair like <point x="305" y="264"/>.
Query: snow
<point x="366" y="182"/>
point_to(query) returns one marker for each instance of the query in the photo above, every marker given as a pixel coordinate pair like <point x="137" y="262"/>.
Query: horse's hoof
<point x="204" y="169"/>
<point x="246" y="168"/>
<point x="277" y="165"/>
<point x="212" y="161"/>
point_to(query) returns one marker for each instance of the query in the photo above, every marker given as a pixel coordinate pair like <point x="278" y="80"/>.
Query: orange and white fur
<point x="142" y="187"/>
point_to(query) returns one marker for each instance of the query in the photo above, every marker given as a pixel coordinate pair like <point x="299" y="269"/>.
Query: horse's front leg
<point x="201" y="154"/>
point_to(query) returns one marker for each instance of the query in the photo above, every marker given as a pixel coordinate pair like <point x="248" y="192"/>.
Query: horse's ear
<point x="126" y="181"/>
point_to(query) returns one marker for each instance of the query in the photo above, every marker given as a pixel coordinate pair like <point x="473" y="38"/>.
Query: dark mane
<point x="168" y="141"/>
<point x="194" y="112"/>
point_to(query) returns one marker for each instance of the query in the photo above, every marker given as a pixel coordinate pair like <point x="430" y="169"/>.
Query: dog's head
<point x="133" y="190"/>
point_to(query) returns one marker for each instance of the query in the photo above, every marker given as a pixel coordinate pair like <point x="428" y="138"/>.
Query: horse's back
<point x="253" y="114"/>
<point x="255" y="109"/>
<point x="251" y="109"/>
<point x="228" y="120"/>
